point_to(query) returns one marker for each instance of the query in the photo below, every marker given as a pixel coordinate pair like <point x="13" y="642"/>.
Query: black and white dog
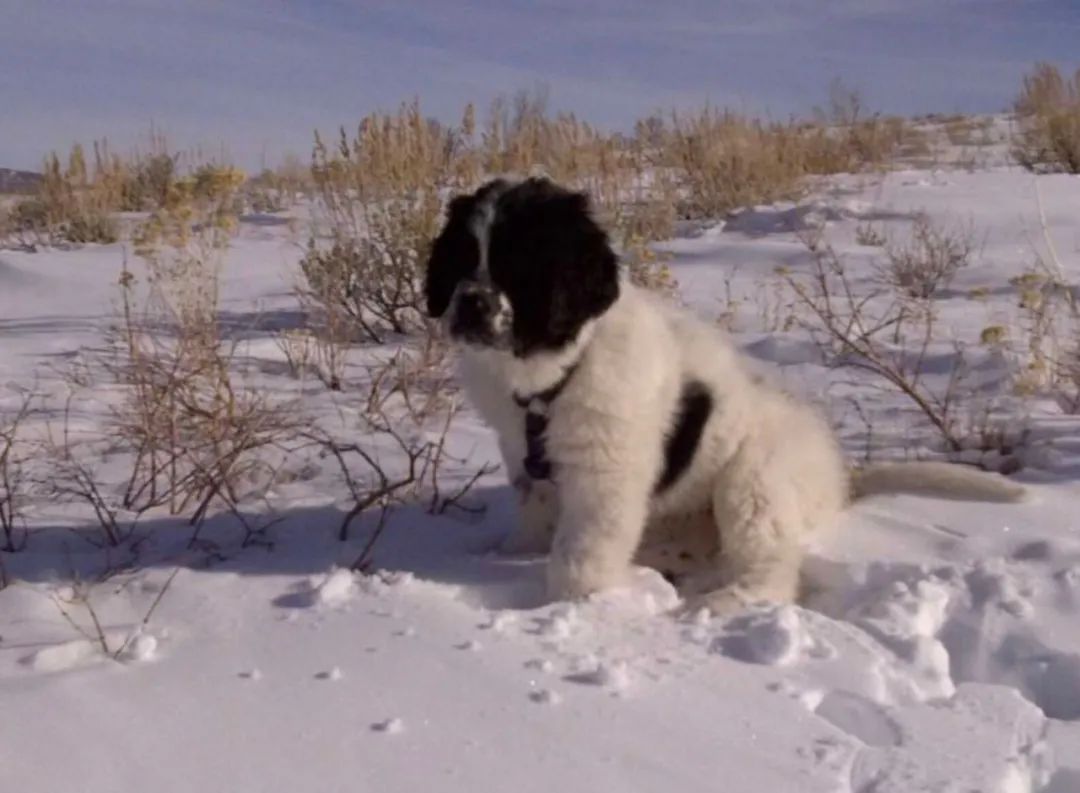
<point x="628" y="426"/>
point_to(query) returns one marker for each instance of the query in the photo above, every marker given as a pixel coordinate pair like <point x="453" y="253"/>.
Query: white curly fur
<point x="766" y="476"/>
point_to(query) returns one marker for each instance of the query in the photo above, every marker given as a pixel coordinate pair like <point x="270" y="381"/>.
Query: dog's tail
<point x="943" y="480"/>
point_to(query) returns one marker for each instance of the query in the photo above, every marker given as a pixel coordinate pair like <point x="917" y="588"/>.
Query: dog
<point x="632" y="430"/>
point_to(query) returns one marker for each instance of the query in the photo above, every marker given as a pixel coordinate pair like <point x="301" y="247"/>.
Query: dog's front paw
<point x="570" y="580"/>
<point x="724" y="602"/>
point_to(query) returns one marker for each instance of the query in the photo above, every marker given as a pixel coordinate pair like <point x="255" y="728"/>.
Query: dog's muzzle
<point x="478" y="315"/>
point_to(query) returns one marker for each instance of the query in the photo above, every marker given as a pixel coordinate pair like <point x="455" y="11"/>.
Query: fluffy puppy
<point x="628" y="426"/>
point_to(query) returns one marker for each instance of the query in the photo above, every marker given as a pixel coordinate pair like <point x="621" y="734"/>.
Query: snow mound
<point x="935" y="750"/>
<point x="774" y="637"/>
<point x="392" y="726"/>
<point x="335" y="590"/>
<point x="62" y="657"/>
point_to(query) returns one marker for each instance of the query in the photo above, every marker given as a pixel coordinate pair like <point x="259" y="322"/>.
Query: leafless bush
<point x="403" y="456"/>
<point x="1067" y="376"/>
<point x="880" y="333"/>
<point x="410" y="472"/>
<point x="1050" y="326"/>
<point x="79" y="597"/>
<point x="13" y="481"/>
<point x="73" y="477"/>
<point x="322" y="348"/>
<point x="929" y="259"/>
<point x="870" y="235"/>
<point x="416" y="377"/>
<point x="1048" y="119"/>
<point x="192" y="434"/>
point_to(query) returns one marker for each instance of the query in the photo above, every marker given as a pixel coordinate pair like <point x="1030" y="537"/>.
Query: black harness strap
<point x="536" y="462"/>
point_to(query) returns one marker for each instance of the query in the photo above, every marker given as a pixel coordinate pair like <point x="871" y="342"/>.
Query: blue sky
<point x="256" y="76"/>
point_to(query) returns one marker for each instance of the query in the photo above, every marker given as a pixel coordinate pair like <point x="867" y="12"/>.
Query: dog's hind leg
<point x="758" y="517"/>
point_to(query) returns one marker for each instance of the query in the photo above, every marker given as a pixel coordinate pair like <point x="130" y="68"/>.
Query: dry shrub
<point x="13" y="480"/>
<point x="881" y="333"/>
<point x="844" y="138"/>
<point x="378" y="208"/>
<point x="416" y="378"/>
<point x="1067" y="376"/>
<point x="192" y="433"/>
<point x="870" y="235"/>
<point x="409" y="408"/>
<point x="69" y="207"/>
<point x="278" y="189"/>
<point x="78" y="202"/>
<point x="1050" y="335"/>
<point x="1048" y="119"/>
<point x="379" y="193"/>
<point x="725" y="160"/>
<point x="965" y="131"/>
<point x="143" y="180"/>
<point x="929" y="259"/>
<point x="637" y="204"/>
<point x="632" y="193"/>
<point x="1050" y="325"/>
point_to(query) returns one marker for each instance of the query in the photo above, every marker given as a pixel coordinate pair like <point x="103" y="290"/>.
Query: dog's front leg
<point x="600" y="522"/>
<point x="537" y="510"/>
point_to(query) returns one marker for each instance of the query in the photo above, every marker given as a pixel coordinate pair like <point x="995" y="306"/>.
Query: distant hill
<point x="12" y="181"/>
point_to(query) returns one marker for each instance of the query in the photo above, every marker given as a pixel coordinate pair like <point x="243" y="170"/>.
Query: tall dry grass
<point x="1048" y="121"/>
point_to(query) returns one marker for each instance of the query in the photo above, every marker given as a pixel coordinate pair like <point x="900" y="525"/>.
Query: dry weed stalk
<point x="929" y="260"/>
<point x="80" y="594"/>
<point x="410" y="409"/>
<point x="1051" y="324"/>
<point x="74" y="478"/>
<point x="13" y="481"/>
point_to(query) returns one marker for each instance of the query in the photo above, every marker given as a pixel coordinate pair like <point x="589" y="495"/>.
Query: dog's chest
<point x="671" y="446"/>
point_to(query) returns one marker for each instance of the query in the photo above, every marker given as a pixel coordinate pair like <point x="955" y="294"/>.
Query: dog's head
<point x="520" y="267"/>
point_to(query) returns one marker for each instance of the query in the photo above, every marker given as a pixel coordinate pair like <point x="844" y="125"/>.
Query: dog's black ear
<point x="555" y="263"/>
<point x="454" y="255"/>
<point x="590" y="284"/>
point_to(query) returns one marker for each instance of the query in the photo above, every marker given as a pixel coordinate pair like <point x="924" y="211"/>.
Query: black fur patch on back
<point x="695" y="406"/>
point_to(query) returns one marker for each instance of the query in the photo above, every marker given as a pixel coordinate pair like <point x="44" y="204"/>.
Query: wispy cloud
<point x="258" y="75"/>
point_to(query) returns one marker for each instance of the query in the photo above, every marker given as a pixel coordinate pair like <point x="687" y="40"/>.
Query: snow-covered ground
<point x="939" y="649"/>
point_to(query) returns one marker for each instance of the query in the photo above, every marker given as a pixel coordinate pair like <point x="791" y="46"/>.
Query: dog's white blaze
<point x="480" y="225"/>
<point x="503" y="317"/>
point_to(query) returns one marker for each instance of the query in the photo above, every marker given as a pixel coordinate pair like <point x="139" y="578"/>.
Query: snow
<point x="937" y="648"/>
